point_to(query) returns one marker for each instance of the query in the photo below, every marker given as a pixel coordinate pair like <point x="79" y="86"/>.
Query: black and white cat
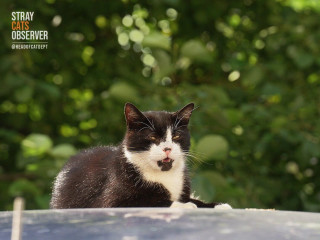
<point x="148" y="169"/>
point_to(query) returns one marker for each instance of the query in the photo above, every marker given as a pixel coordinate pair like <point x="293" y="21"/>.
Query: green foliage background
<point x="251" y="66"/>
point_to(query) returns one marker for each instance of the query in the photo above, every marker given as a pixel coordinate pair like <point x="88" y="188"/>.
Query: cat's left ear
<point x="133" y="115"/>
<point x="183" y="115"/>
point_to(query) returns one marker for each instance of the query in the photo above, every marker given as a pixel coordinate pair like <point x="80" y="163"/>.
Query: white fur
<point x="60" y="179"/>
<point x="183" y="205"/>
<point x="146" y="162"/>
<point x="224" y="206"/>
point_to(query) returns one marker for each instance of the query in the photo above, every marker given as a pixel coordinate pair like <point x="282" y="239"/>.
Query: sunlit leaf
<point x="63" y="151"/>
<point x="157" y="40"/>
<point x="196" y="51"/>
<point x="164" y="63"/>
<point x="36" y="144"/>
<point x="213" y="147"/>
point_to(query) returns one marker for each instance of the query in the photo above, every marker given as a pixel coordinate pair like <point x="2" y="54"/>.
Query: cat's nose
<point x="167" y="150"/>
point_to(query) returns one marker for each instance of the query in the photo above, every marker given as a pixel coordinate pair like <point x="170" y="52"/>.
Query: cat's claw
<point x="189" y="205"/>
<point x="223" y="206"/>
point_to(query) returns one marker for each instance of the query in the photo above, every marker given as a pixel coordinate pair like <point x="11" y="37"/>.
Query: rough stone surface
<point x="156" y="223"/>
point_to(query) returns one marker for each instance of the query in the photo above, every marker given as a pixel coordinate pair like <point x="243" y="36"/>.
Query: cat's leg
<point x="201" y="204"/>
<point x="183" y="205"/>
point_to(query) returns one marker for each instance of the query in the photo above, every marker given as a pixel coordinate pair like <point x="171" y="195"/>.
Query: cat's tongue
<point x="166" y="160"/>
<point x="165" y="164"/>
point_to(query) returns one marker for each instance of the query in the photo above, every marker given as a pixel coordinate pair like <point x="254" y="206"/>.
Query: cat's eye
<point x="176" y="137"/>
<point x="152" y="138"/>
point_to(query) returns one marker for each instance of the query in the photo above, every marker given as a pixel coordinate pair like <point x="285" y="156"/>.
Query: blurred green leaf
<point x="157" y="40"/>
<point x="23" y="94"/>
<point x="23" y="187"/>
<point x="196" y="51"/>
<point x="63" y="151"/>
<point x="207" y="184"/>
<point x="124" y="92"/>
<point x="302" y="5"/>
<point x="213" y="147"/>
<point x="278" y="123"/>
<point x="165" y="66"/>
<point x="234" y="116"/>
<point x="36" y="144"/>
<point x="49" y="90"/>
<point x="253" y="76"/>
<point x="302" y="58"/>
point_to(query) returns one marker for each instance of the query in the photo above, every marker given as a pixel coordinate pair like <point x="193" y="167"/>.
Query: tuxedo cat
<point x="148" y="169"/>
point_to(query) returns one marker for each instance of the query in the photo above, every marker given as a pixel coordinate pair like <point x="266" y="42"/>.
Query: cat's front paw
<point x="189" y="205"/>
<point x="223" y="206"/>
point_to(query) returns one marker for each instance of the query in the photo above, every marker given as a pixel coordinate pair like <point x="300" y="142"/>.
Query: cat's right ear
<point x="184" y="114"/>
<point x="132" y="114"/>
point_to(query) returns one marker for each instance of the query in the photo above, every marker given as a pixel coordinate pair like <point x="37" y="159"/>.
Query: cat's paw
<point x="189" y="205"/>
<point x="223" y="206"/>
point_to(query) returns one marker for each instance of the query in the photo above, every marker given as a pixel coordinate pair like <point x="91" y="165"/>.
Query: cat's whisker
<point x="186" y="114"/>
<point x="196" y="153"/>
<point x="196" y="158"/>
<point x="174" y="125"/>
<point x="185" y="125"/>
<point x="150" y="127"/>
<point x="143" y="128"/>
<point x="152" y="124"/>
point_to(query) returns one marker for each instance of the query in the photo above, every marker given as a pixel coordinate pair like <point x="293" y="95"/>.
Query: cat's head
<point x="157" y="140"/>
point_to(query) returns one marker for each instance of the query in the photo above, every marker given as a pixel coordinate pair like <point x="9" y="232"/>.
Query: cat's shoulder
<point x="95" y="154"/>
<point x="99" y="150"/>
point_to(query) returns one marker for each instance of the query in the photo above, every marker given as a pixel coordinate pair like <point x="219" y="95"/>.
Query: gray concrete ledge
<point x="163" y="223"/>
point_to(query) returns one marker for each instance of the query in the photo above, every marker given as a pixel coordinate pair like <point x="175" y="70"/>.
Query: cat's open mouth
<point x="167" y="160"/>
<point x="165" y="164"/>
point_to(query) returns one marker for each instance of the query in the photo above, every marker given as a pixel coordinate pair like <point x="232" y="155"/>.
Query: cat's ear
<point x="183" y="115"/>
<point x="133" y="115"/>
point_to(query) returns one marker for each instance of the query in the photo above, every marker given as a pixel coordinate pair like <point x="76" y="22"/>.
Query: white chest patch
<point x="171" y="180"/>
<point x="146" y="162"/>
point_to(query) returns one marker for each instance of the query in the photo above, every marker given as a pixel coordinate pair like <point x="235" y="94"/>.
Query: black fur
<point x="102" y="177"/>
